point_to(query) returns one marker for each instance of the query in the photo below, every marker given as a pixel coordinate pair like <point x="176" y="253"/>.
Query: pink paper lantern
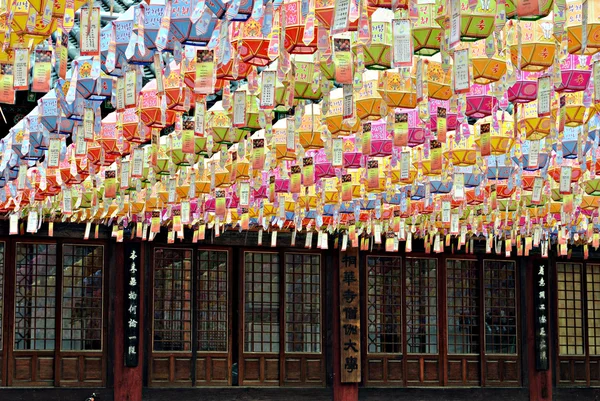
<point x="525" y="89"/>
<point x="479" y="102"/>
<point x="576" y="72"/>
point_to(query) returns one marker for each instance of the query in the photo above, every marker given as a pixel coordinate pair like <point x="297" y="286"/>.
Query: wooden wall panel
<point x="303" y="370"/>
<point x="464" y="370"/>
<point x="32" y="369"/>
<point x="170" y="370"/>
<point x="212" y="370"/>
<point x="594" y="371"/>
<point x="260" y="370"/>
<point x="81" y="370"/>
<point x="502" y="371"/>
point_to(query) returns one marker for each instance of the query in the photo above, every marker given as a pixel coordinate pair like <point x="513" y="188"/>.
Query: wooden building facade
<point x="227" y="319"/>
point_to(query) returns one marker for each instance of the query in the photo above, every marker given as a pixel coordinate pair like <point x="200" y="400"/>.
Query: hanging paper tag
<point x="267" y="94"/>
<point x="486" y="143"/>
<point x="42" y="71"/>
<point x="343" y="61"/>
<point x="565" y="179"/>
<point x="454" y="22"/>
<point x="536" y="196"/>
<point x="110" y="184"/>
<point x="67" y="201"/>
<point x="205" y="72"/>
<point x="419" y="80"/>
<point x="258" y="154"/>
<point x="120" y="94"/>
<point x="400" y="129"/>
<point x="405" y="165"/>
<point x="462" y="79"/>
<point x="348" y="102"/>
<point x="239" y="108"/>
<point x="346" y="187"/>
<point x="130" y="89"/>
<point x="89" y="34"/>
<point x="138" y="163"/>
<point x="441" y="124"/>
<point x="445" y="212"/>
<point x="544" y="96"/>
<point x="124" y="174"/>
<point x="338" y="152"/>
<point x="534" y="153"/>
<point x="436" y="156"/>
<point x="373" y="174"/>
<point x="160" y="85"/>
<point x="199" y="118"/>
<point x="290" y="134"/>
<point x="295" y="179"/>
<point x="308" y="171"/>
<point x="340" y="17"/>
<point x="54" y="152"/>
<point x="459" y="186"/>
<point x="21" y="69"/>
<point x="403" y="43"/>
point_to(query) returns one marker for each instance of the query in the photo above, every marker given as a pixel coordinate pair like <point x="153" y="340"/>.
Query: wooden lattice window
<point x="261" y="302"/>
<point x="1" y="291"/>
<point x="570" y="308"/>
<point x="303" y="302"/>
<point x="384" y="304"/>
<point x="35" y="296"/>
<point x="211" y="312"/>
<point x="82" y="297"/>
<point x="593" y="307"/>
<point x="172" y="299"/>
<point x="500" y="307"/>
<point x="421" y="306"/>
<point x="462" y="306"/>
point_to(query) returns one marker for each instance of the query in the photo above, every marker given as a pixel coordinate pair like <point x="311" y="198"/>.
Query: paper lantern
<point x="152" y="112"/>
<point x="334" y="117"/>
<point x="451" y="117"/>
<point x="426" y="32"/>
<point x="133" y="131"/>
<point x="575" y="26"/>
<point x="535" y="127"/>
<point x="501" y="139"/>
<point x="499" y="168"/>
<point x="525" y="89"/>
<point x="309" y="132"/>
<point x="463" y="153"/>
<point x="474" y="24"/>
<point x="537" y="47"/>
<point x="200" y="34"/>
<point x="479" y="101"/>
<point x="111" y="142"/>
<point x="251" y="45"/>
<point x="397" y="89"/>
<point x="368" y="100"/>
<point x="305" y="68"/>
<point x="227" y="71"/>
<point x="325" y="9"/>
<point x="485" y="69"/>
<point x="576" y="110"/>
<point x="294" y="30"/>
<point x="416" y="128"/>
<point x="280" y="141"/>
<point x="179" y="96"/>
<point x="174" y="151"/>
<point x="575" y="72"/>
<point x="528" y="11"/>
<point x="542" y="157"/>
<point x="438" y="81"/>
<point x="378" y="55"/>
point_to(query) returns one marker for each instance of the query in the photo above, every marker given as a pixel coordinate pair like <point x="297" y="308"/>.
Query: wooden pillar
<point x="341" y="391"/>
<point x="540" y="382"/>
<point x="128" y="381"/>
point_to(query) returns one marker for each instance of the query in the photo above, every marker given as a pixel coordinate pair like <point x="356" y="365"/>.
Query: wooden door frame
<point x="281" y="252"/>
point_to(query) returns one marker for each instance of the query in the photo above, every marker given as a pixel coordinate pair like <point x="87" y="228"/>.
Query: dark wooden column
<point x="540" y="382"/>
<point x="127" y="381"/>
<point x="341" y="391"/>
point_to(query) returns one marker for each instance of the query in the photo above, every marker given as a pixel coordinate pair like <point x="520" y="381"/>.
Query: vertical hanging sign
<point x="541" y="315"/>
<point x="90" y="32"/>
<point x="131" y="304"/>
<point x="350" y="317"/>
